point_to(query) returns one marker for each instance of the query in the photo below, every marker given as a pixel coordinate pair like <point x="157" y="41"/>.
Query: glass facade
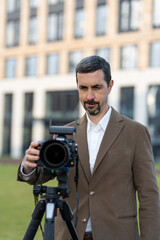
<point x="155" y="54"/>
<point x="62" y="107"/>
<point x="153" y="103"/>
<point x="28" y="121"/>
<point x="129" y="57"/>
<point x="129" y="15"/>
<point x="156" y="15"/>
<point x="101" y="19"/>
<point x="55" y="1"/>
<point x="31" y="66"/>
<point x="13" y="5"/>
<point x="12" y="33"/>
<point x="104" y="53"/>
<point x="10" y="68"/>
<point x="55" y="33"/>
<point x="33" y="30"/>
<point x="34" y="3"/>
<point x="127" y="101"/>
<point x="7" y="124"/>
<point x="12" y="23"/>
<point x="74" y="58"/>
<point x="52" y="64"/>
<point x="55" y="24"/>
<point x="79" y="23"/>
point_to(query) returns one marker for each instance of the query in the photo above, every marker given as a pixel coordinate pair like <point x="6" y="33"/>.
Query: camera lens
<point x="54" y="154"/>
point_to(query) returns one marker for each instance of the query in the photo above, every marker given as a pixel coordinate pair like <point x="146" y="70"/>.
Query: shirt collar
<point x="102" y="123"/>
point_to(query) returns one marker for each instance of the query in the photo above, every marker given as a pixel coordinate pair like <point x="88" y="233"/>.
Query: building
<point x="41" y="41"/>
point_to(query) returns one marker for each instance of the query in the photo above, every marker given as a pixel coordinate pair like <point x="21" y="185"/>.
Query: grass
<point x="17" y="204"/>
<point x="157" y="164"/>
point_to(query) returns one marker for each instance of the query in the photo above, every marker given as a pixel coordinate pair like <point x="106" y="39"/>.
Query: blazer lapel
<point x="81" y="140"/>
<point x="114" y="128"/>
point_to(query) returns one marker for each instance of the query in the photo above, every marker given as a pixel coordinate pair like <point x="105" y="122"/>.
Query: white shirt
<point x="95" y="135"/>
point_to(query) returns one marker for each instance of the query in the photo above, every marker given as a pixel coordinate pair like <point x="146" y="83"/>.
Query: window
<point x="7" y="124"/>
<point x="55" y="26"/>
<point x="10" y="68"/>
<point x="27" y="124"/>
<point x="12" y="23"/>
<point x="156" y="13"/>
<point x="101" y="19"/>
<point x="79" y="23"/>
<point x="34" y="3"/>
<point x="55" y="20"/>
<point x="74" y="58"/>
<point x="52" y="64"/>
<point x="127" y="101"/>
<point x="129" y="57"/>
<point x="155" y="54"/>
<point x="12" y="33"/>
<point x="62" y="107"/>
<point x="31" y="66"/>
<point x="104" y="53"/>
<point x="33" y="22"/>
<point x="55" y="1"/>
<point x="129" y="15"/>
<point x="153" y="103"/>
<point x="13" y="5"/>
<point x="33" y="30"/>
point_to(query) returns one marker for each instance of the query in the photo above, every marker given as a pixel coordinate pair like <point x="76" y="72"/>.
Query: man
<point x="115" y="162"/>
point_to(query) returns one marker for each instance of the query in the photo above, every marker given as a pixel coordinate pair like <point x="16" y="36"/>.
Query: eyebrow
<point x="97" y="85"/>
<point x="94" y="86"/>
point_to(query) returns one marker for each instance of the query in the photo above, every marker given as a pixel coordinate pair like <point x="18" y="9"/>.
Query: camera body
<point x="58" y="153"/>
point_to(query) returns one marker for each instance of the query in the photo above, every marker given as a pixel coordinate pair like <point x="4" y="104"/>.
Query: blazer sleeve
<point x="37" y="177"/>
<point x="147" y="187"/>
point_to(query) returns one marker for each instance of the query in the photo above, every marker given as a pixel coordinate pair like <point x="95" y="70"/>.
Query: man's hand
<point x="31" y="157"/>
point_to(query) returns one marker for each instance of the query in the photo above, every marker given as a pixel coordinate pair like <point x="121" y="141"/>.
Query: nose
<point x="90" y="95"/>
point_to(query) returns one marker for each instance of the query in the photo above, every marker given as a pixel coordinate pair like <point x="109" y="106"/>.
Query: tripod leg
<point x="67" y="217"/>
<point x="36" y="219"/>
<point x="49" y="221"/>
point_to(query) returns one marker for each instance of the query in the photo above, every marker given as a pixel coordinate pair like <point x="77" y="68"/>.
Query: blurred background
<point x="41" y="41"/>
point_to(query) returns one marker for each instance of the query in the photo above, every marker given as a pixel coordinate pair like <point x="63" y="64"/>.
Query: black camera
<point x="58" y="153"/>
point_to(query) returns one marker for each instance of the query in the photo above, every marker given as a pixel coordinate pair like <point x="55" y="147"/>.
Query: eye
<point x="82" y="87"/>
<point x="97" y="87"/>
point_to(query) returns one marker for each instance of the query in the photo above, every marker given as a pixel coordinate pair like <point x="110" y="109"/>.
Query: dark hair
<point x="92" y="64"/>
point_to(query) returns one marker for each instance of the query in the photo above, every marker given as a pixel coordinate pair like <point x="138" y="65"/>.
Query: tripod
<point x="50" y="203"/>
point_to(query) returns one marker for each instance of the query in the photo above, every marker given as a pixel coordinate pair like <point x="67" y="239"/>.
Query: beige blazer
<point x="123" y="166"/>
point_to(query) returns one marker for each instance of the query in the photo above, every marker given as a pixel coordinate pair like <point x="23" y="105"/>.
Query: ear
<point x="110" y="86"/>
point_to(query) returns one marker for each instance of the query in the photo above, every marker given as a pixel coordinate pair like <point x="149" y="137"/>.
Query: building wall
<point x="139" y="77"/>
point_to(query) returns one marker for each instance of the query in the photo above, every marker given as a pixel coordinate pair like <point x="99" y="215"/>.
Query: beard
<point x="94" y="107"/>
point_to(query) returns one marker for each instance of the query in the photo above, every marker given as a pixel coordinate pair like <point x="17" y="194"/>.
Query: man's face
<point x="93" y="92"/>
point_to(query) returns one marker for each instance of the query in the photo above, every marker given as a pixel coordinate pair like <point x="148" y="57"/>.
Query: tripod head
<point x="61" y="190"/>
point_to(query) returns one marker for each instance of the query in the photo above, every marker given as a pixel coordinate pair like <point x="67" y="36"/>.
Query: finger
<point x="34" y="144"/>
<point x="31" y="158"/>
<point x="29" y="164"/>
<point x="33" y="151"/>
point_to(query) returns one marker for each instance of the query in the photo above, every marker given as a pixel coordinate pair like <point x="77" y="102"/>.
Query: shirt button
<point x="84" y="220"/>
<point x="92" y="193"/>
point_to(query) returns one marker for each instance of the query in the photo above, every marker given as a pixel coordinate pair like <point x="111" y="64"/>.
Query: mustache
<point x="91" y="102"/>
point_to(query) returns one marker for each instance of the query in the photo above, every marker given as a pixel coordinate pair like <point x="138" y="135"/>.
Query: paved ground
<point x="17" y="162"/>
<point x="10" y="161"/>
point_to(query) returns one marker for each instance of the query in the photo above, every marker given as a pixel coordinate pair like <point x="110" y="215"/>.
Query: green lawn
<point x="16" y="204"/>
